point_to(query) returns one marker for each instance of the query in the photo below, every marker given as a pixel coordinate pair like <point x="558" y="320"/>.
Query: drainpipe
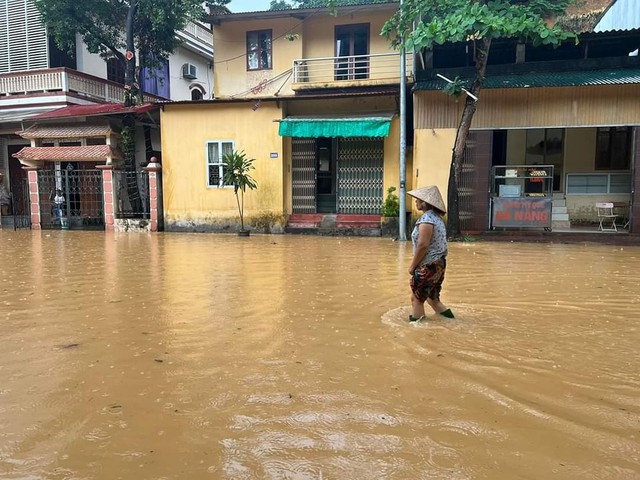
<point x="402" y="234"/>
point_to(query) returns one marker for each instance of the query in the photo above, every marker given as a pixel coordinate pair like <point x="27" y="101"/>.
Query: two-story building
<point x="314" y="99"/>
<point x="569" y="116"/>
<point x="69" y="108"/>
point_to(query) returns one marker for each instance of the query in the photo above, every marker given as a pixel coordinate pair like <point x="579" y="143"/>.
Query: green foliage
<point x="103" y="26"/>
<point x="472" y="20"/>
<point x="280" y="5"/>
<point x="391" y="205"/>
<point x="454" y="88"/>
<point x="236" y="173"/>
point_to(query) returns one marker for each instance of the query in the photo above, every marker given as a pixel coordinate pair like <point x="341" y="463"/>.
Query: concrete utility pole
<point x="402" y="234"/>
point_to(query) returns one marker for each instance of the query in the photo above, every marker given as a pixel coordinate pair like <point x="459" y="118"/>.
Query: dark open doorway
<point x="326" y="176"/>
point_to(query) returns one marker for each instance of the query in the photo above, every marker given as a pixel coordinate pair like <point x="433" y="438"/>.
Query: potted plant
<point x="390" y="212"/>
<point x="236" y="173"/>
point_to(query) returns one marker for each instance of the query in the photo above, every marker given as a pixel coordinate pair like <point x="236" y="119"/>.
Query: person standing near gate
<point x="430" y="249"/>
<point x="58" y="203"/>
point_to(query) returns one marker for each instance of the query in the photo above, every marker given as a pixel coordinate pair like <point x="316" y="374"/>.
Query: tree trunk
<point x="455" y="170"/>
<point x="128" y="138"/>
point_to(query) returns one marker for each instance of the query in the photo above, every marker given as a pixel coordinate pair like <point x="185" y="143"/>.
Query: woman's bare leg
<point x="417" y="307"/>
<point x="437" y="305"/>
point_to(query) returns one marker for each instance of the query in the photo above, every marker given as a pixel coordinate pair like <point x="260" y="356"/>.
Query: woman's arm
<point x="425" y="232"/>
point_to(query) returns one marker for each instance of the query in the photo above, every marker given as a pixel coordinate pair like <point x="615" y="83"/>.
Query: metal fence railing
<point x="382" y="66"/>
<point x="131" y="191"/>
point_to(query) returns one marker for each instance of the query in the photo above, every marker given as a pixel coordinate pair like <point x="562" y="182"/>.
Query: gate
<point x="20" y="204"/>
<point x="473" y="190"/>
<point x="82" y="205"/>
<point x="360" y="175"/>
<point x="303" y="175"/>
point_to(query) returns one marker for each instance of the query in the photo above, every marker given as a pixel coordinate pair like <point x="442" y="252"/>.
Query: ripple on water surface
<point x="210" y="356"/>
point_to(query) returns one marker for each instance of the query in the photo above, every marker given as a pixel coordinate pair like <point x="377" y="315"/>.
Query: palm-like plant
<point x="236" y="173"/>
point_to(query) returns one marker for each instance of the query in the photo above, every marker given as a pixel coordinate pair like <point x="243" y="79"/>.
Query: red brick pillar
<point x="34" y="197"/>
<point x="155" y="193"/>
<point x="108" y="198"/>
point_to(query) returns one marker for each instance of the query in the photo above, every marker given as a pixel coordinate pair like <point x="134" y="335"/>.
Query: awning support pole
<point x="402" y="221"/>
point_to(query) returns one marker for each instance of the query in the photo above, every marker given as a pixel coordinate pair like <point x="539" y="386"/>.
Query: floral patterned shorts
<point x="426" y="281"/>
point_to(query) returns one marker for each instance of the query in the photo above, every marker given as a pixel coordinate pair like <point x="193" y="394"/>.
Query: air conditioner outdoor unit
<point x="189" y="71"/>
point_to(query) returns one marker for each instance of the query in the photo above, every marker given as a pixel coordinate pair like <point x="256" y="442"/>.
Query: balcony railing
<point x="377" y="68"/>
<point x="198" y="31"/>
<point x="63" y="80"/>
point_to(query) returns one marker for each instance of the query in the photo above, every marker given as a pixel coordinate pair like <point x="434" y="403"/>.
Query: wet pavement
<point x="175" y="356"/>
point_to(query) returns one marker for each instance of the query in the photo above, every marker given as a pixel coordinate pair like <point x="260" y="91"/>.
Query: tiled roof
<point x="65" y="131"/>
<point x="92" y="110"/>
<point x="91" y="152"/>
<point x="621" y="76"/>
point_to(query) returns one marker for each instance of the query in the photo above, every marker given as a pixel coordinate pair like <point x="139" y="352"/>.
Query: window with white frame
<point x="215" y="165"/>
<point x="598" y="183"/>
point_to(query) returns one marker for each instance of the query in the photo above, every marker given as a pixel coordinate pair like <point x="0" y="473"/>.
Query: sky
<point x="248" y="5"/>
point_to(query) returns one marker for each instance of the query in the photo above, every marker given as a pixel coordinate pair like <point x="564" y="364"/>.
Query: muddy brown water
<point x="192" y="356"/>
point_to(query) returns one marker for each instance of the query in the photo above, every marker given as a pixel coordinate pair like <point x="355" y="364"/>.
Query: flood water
<point x="196" y="356"/>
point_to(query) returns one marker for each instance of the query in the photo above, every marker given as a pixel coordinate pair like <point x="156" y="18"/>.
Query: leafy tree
<point x="124" y="29"/>
<point x="236" y="173"/>
<point x="280" y="5"/>
<point x="477" y="22"/>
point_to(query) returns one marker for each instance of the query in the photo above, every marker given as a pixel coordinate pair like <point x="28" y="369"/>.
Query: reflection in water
<point x="285" y="357"/>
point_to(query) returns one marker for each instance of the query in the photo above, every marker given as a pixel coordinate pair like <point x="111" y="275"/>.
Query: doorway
<point x="326" y="176"/>
<point x="352" y="50"/>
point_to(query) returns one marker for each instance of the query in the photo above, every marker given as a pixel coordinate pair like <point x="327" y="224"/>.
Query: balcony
<point x="352" y="71"/>
<point x="197" y="38"/>
<point x="61" y="81"/>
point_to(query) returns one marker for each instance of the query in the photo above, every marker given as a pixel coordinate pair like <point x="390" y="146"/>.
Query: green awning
<point x="376" y="125"/>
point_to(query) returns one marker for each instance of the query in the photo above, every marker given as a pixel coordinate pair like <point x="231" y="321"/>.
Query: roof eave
<point x="298" y="13"/>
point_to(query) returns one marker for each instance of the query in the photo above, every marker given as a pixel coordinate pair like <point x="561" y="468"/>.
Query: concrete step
<point x="562" y="209"/>
<point x="559" y="217"/>
<point x="558" y="225"/>
<point x="558" y="202"/>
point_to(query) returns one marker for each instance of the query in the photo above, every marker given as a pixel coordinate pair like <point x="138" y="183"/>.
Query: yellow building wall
<point x="313" y="37"/>
<point x="319" y="35"/>
<point x="580" y="150"/>
<point x="580" y="157"/>
<point x="432" y="160"/>
<point x="188" y="202"/>
<point x="231" y="77"/>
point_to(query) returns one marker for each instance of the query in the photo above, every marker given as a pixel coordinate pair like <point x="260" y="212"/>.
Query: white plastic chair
<point x="606" y="217"/>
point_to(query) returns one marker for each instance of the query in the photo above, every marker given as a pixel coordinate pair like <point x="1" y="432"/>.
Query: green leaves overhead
<point x="443" y="21"/>
<point x="102" y="24"/>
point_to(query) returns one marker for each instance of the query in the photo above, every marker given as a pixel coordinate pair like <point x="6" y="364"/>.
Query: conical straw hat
<point x="431" y="195"/>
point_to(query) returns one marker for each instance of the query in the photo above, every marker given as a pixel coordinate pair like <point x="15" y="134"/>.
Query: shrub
<point x="391" y="204"/>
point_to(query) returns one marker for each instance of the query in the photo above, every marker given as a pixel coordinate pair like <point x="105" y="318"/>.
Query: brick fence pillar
<point x="34" y="197"/>
<point x="155" y="193"/>
<point x="108" y="197"/>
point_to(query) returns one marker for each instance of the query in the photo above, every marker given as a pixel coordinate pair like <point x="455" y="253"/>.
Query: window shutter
<point x="22" y="31"/>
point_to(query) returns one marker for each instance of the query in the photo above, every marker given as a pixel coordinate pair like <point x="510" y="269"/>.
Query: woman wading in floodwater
<point x="429" y="262"/>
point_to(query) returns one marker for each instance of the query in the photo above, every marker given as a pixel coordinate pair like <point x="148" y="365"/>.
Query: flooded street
<point x="189" y="356"/>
